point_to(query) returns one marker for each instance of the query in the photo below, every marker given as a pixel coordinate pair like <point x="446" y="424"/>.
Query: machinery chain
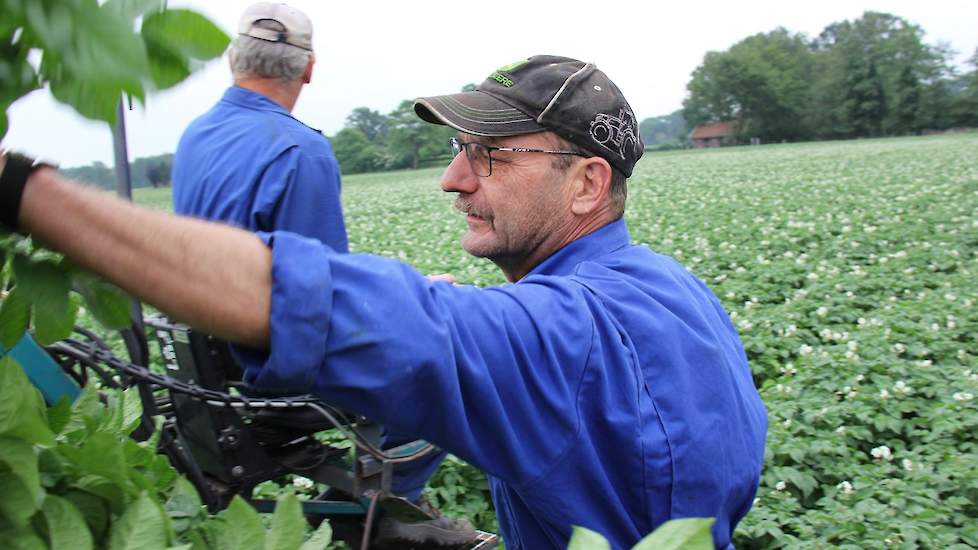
<point x="89" y="354"/>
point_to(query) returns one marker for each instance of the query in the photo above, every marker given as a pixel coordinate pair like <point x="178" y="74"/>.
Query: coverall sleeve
<point x="491" y="375"/>
<point x="300" y="193"/>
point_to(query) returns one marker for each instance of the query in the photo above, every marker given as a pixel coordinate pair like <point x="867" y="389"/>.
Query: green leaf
<point x="21" y="539"/>
<point x="185" y="498"/>
<point x="66" y="524"/>
<point x="187" y="33"/>
<point x="22" y="412"/>
<point x="97" y="100"/>
<point x="15" y="317"/>
<point x="105" y="489"/>
<point x="586" y="539"/>
<point x="166" y="67"/>
<point x="94" y="510"/>
<point x="94" y="44"/>
<point x="3" y="122"/>
<point x="59" y="415"/>
<point x="102" y="455"/>
<point x="176" y="37"/>
<point x="243" y="527"/>
<point x="184" y="506"/>
<point x="19" y="457"/>
<point x="107" y="302"/>
<point x="141" y="527"/>
<point x="132" y="410"/>
<point x="49" y="328"/>
<point x="680" y="534"/>
<point x="111" y="421"/>
<point x="87" y="412"/>
<point x="18" y="503"/>
<point x="320" y="538"/>
<point x="16" y="73"/>
<point x="53" y="467"/>
<point x="131" y="9"/>
<point x="288" y="525"/>
<point x="46" y="285"/>
<point x="50" y="23"/>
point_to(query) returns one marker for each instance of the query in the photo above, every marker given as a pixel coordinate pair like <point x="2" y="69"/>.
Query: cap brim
<point x="476" y="113"/>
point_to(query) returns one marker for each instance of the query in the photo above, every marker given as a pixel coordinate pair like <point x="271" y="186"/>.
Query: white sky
<point x="376" y="54"/>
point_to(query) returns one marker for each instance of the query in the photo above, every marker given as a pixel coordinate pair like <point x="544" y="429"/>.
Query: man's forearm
<point x="212" y="276"/>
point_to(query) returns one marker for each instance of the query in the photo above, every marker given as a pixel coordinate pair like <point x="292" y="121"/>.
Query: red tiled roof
<point x="715" y="130"/>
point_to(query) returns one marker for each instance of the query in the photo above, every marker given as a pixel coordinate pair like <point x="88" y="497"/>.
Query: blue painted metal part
<point x="329" y="507"/>
<point x="43" y="372"/>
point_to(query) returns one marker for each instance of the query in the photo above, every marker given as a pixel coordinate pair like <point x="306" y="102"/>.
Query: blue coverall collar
<point x="607" y="239"/>
<point x="248" y="99"/>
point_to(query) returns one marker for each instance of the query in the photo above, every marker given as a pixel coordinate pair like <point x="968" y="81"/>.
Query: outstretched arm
<point x="212" y="276"/>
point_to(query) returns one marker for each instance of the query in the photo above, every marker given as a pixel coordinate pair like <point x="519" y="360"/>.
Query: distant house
<point x="714" y="135"/>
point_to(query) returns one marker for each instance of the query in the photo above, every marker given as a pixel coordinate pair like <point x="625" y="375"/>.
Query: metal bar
<point x="123" y="177"/>
<point x="123" y="187"/>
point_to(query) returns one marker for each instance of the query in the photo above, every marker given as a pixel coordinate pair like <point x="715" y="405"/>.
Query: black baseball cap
<point x="571" y="98"/>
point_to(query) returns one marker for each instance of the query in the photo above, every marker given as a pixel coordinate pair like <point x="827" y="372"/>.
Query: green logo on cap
<point x="501" y="78"/>
<point x="512" y="66"/>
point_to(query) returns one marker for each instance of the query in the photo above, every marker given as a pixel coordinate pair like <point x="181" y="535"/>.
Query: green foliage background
<point x="866" y="77"/>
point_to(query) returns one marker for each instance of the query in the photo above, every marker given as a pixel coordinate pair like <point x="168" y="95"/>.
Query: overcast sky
<point x="376" y="54"/>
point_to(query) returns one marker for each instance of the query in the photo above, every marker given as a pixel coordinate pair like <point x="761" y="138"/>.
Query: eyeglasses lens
<point x="476" y="153"/>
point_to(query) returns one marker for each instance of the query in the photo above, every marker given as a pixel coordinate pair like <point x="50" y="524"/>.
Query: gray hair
<point x="255" y="57"/>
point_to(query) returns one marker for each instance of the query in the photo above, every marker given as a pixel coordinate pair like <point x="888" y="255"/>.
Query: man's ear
<point x="592" y="181"/>
<point x="307" y="75"/>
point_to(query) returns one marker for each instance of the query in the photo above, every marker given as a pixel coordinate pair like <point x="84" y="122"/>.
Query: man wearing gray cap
<point x="605" y="388"/>
<point x="247" y="160"/>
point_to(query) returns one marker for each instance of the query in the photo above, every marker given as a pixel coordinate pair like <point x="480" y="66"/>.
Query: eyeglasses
<point x="480" y="155"/>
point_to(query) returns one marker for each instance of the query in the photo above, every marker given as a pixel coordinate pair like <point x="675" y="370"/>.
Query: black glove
<point x="13" y="179"/>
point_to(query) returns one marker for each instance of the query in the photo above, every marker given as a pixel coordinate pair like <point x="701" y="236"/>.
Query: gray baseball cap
<point x="298" y="28"/>
<point x="571" y="98"/>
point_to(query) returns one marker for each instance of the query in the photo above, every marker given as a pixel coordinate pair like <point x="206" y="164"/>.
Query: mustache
<point x="468" y="207"/>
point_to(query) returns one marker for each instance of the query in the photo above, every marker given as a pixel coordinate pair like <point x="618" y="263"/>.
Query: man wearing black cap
<point x="605" y="388"/>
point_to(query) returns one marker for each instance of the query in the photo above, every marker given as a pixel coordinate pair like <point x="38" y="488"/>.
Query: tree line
<point x="873" y="76"/>
<point x="372" y="141"/>
<point x="145" y="171"/>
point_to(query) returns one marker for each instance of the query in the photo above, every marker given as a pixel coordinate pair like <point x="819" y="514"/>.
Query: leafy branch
<point x="89" y="55"/>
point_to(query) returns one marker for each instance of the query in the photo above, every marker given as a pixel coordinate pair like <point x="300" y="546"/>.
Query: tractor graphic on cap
<point x="615" y="133"/>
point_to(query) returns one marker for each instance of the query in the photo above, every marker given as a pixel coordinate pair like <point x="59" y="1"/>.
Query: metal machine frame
<point x="224" y="437"/>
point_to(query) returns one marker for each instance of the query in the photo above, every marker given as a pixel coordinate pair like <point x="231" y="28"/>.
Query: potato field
<point x="851" y="271"/>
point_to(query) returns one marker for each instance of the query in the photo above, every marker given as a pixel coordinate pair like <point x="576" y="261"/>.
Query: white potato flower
<point x="882" y="452"/>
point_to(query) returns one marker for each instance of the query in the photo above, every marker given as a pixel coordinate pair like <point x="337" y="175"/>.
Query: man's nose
<point x="459" y="177"/>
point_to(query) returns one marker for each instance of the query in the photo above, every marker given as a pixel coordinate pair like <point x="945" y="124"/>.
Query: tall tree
<point x="763" y="81"/>
<point x="875" y="75"/>
<point x="355" y="152"/>
<point x="410" y="139"/>
<point x="372" y="123"/>
<point x="907" y="103"/>
<point x="964" y="104"/>
<point x="662" y="130"/>
<point x="864" y="99"/>
<point x="158" y="171"/>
